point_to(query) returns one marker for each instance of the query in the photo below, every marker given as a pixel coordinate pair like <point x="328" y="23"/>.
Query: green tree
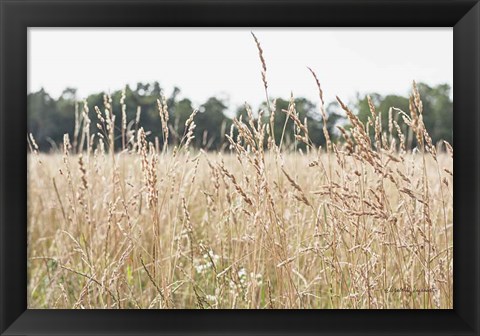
<point x="437" y="111"/>
<point x="48" y="119"/>
<point x="283" y="125"/>
<point x="211" y="124"/>
<point x="182" y="111"/>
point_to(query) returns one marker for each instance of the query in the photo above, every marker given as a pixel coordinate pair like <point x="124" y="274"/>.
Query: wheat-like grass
<point x="364" y="223"/>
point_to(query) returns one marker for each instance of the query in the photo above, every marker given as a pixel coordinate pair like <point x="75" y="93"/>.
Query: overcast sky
<point x="223" y="62"/>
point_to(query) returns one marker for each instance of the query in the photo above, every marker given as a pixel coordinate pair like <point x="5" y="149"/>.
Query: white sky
<point x="205" y="62"/>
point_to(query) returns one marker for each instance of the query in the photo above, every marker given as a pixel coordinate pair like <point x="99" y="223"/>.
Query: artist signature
<point x="409" y="290"/>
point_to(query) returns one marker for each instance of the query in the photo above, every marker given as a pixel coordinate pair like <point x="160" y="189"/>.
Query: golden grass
<point x="362" y="223"/>
<point x="229" y="231"/>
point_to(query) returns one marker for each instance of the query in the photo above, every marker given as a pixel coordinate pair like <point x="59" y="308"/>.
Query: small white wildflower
<point x="242" y="274"/>
<point x="257" y="277"/>
<point x="211" y="298"/>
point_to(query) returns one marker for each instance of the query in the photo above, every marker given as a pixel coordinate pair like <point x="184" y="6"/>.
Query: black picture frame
<point x="17" y="15"/>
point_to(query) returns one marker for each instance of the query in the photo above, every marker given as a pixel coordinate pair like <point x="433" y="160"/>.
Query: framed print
<point x="207" y="167"/>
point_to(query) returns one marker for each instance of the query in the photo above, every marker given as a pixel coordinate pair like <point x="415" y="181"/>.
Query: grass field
<point x="363" y="223"/>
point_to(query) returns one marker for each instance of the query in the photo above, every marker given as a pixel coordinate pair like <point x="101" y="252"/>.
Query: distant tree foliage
<point x="437" y="107"/>
<point x="283" y="127"/>
<point x="49" y="119"/>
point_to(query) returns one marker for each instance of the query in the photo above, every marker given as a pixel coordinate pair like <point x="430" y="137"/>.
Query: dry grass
<point x="363" y="223"/>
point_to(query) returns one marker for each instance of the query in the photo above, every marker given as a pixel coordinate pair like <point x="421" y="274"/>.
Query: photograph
<point x="240" y="168"/>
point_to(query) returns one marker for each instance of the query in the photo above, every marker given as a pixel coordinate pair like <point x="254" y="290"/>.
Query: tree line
<point x="49" y="119"/>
